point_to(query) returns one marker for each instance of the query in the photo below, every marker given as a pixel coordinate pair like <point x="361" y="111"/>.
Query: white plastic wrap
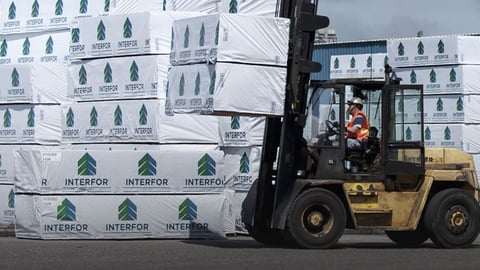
<point x="436" y="80"/>
<point x="7" y="168"/>
<point x="241" y="131"/>
<point x="91" y="171"/>
<point x="434" y="50"/>
<point x="124" y="34"/>
<point x="242" y="166"/>
<point x="124" y="217"/>
<point x="250" y="7"/>
<point x="7" y="204"/>
<point x="31" y="124"/>
<point x="44" y="47"/>
<point x="227" y="88"/>
<point x="223" y="37"/>
<point x="133" y="121"/>
<point x="34" y="83"/>
<point x="361" y="66"/>
<point x="118" y="77"/>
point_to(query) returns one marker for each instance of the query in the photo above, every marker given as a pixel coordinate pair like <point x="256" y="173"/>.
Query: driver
<point x="357" y="128"/>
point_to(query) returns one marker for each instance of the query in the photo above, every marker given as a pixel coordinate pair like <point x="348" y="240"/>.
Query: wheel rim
<point x="317" y="220"/>
<point x="457" y="219"/>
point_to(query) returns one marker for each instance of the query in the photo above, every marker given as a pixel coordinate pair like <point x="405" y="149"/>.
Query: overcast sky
<point x="377" y="19"/>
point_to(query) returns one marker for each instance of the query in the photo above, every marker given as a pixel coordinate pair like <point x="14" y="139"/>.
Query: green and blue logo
<point x="441" y="47"/>
<point x="93" y="117"/>
<point x="206" y="166"/>
<point x="235" y="122"/>
<point x="66" y="211"/>
<point x="336" y="63"/>
<point x="82" y="75"/>
<point x="143" y="115"/>
<point x="433" y="76"/>
<point x="59" y="8"/>
<point x="447" y="134"/>
<point x="83" y="6"/>
<point x="31" y="118"/>
<point x="87" y="165"/>
<point x="107" y="73"/>
<point x="453" y="75"/>
<point x="233" y="6"/>
<point x="15" y="78"/>
<point x="11" y="199"/>
<point x="127" y="28"/>
<point x="186" y="37"/>
<point x="439" y="105"/>
<point x="147" y="165"/>
<point x="101" y="31"/>
<point x="12" y="11"/>
<point x="428" y="134"/>
<point x="401" y="49"/>
<point x="118" y="116"/>
<point x="49" y="45"/>
<point x="7" y="118"/>
<point x="35" y="9"/>
<point x="75" y="33"/>
<point x="420" y="48"/>
<point x="134" y="72"/>
<point x="26" y="47"/>
<point x="352" y="62"/>
<point x="127" y="211"/>
<point x="187" y="210"/>
<point x="3" y="48"/>
<point x="413" y="77"/>
<point x="70" y="121"/>
<point x="244" y="164"/>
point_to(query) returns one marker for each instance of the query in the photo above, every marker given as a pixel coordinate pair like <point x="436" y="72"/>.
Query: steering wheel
<point x="332" y="127"/>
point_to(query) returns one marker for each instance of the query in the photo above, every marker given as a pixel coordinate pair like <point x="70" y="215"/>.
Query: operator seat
<point x="364" y="156"/>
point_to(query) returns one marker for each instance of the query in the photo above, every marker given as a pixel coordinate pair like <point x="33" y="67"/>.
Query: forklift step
<point x="372" y="211"/>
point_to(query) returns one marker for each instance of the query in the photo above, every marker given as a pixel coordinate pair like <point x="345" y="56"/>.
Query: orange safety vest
<point x="363" y="134"/>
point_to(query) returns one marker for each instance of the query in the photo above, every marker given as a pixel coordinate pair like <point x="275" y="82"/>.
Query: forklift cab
<point x="394" y="146"/>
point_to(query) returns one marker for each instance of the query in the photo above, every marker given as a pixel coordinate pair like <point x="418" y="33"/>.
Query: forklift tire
<point x="408" y="239"/>
<point x="452" y="218"/>
<point x="317" y="219"/>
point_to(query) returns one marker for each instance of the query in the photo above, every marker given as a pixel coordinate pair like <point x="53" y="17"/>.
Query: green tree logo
<point x="336" y="63"/>
<point x="413" y="77"/>
<point x="127" y="211"/>
<point x="401" y="49"/>
<point x="459" y="104"/>
<point x="118" y="116"/>
<point x="206" y="166"/>
<point x="428" y="134"/>
<point x="147" y="166"/>
<point x="453" y="75"/>
<point x="87" y="165"/>
<point x="107" y="73"/>
<point x="420" y="48"/>
<point x="197" y="85"/>
<point x="201" y="40"/>
<point x="127" y="28"/>
<point x="12" y="11"/>
<point x="186" y="37"/>
<point x="441" y="47"/>
<point x="244" y="164"/>
<point x="187" y="210"/>
<point x="7" y="118"/>
<point x="66" y="211"/>
<point x="211" y="87"/>
<point x="133" y="72"/>
<point x="11" y="199"/>
<point x="59" y="8"/>
<point x="35" y="9"/>
<point x="233" y="6"/>
<point x="352" y="62"/>
<point x="31" y="118"/>
<point x="106" y="7"/>
<point x="75" y="35"/>
<point x="447" y="134"/>
<point x="3" y="48"/>
<point x="235" y="122"/>
<point x="83" y="6"/>
<point x="433" y="76"/>
<point x="143" y="115"/>
<point x="93" y="117"/>
<point x="181" y="86"/>
<point x="408" y="134"/>
<point x="82" y="75"/>
<point x="217" y="33"/>
<point x="369" y="62"/>
<point x="26" y="47"/>
<point x="101" y="31"/>
<point x="439" y="105"/>
<point x="70" y="118"/>
<point x="49" y="45"/>
<point x="15" y="78"/>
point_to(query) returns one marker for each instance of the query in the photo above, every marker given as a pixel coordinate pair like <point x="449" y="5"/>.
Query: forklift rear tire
<point x="452" y="218"/>
<point x="408" y="238"/>
<point x="317" y="219"/>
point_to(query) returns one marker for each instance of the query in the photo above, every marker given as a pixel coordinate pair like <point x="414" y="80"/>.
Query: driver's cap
<point x="355" y="100"/>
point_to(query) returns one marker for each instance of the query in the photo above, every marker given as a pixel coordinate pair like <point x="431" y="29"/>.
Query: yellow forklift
<point x="311" y="188"/>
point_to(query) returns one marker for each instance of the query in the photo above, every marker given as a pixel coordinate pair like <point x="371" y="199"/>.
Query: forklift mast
<point x="283" y="153"/>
